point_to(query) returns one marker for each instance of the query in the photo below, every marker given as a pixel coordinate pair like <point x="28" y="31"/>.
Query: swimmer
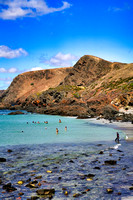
<point x="59" y="120"/>
<point x="57" y="131"/>
<point x="65" y="128"/>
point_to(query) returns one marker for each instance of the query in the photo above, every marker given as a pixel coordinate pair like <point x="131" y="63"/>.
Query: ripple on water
<point x="69" y="169"/>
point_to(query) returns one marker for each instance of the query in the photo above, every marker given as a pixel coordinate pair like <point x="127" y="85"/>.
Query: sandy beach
<point x="126" y="127"/>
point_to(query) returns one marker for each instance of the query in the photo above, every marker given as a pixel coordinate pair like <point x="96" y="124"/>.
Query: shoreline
<point x="126" y="127"/>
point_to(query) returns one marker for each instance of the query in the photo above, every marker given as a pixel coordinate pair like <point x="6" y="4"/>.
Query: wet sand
<point x="126" y="127"/>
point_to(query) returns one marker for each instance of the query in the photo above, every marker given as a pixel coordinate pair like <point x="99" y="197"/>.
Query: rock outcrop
<point x="87" y="89"/>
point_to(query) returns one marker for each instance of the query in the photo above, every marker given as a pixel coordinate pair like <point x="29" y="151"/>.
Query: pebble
<point x="109" y="190"/>
<point x="76" y="195"/>
<point x="20" y="182"/>
<point x="49" y="171"/>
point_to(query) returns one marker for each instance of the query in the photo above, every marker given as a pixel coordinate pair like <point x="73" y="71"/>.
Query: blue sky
<point x="42" y="34"/>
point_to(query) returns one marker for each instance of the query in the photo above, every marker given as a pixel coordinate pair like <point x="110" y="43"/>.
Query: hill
<point x="91" y="87"/>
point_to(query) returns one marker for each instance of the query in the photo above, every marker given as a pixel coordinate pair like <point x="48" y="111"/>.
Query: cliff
<point x="92" y="87"/>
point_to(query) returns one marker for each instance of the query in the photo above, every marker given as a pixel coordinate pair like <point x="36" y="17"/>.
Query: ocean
<point x="72" y="161"/>
<point x="31" y="129"/>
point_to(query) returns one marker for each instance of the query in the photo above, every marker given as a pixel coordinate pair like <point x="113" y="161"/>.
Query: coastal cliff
<point x="91" y="87"/>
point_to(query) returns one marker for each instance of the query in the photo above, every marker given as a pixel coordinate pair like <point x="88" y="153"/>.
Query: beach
<point x="70" y="167"/>
<point x="126" y="127"/>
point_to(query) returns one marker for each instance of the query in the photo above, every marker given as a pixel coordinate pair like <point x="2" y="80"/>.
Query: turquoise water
<point x="20" y="129"/>
<point x="71" y="155"/>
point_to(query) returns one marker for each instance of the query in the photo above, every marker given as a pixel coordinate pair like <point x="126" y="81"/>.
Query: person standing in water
<point x="117" y="137"/>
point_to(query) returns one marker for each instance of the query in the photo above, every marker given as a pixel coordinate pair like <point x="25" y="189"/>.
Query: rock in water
<point x="46" y="193"/>
<point x="2" y="160"/>
<point x="9" y="188"/>
<point x="110" y="162"/>
<point x="16" y="113"/>
<point x="109" y="190"/>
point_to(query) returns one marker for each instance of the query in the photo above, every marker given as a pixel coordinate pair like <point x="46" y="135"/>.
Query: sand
<point x="126" y="127"/>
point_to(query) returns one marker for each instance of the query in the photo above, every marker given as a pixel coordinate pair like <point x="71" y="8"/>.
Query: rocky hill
<point x="92" y="87"/>
<point x="33" y="83"/>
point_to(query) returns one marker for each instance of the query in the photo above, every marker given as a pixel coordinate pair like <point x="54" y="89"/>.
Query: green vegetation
<point x="76" y="95"/>
<point x="32" y="84"/>
<point x="121" y="83"/>
<point x="38" y="94"/>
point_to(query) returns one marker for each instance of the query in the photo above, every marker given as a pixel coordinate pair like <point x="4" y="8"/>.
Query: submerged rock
<point x="76" y="195"/>
<point x="48" y="193"/>
<point x="9" y="150"/>
<point x="97" y="168"/>
<point x="9" y="188"/>
<point x="30" y="185"/>
<point x="101" y="152"/>
<point x="2" y="160"/>
<point x="38" y="177"/>
<point x="33" y="198"/>
<point x="110" y="162"/>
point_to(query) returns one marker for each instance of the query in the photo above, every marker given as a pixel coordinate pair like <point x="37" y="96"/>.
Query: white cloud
<point x="11" y="70"/>
<point x="36" y="68"/>
<point x="3" y="70"/>
<point x="6" y="52"/>
<point x="13" y="9"/>
<point x="63" y="60"/>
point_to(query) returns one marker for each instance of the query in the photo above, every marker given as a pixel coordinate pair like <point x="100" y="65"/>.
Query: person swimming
<point x="57" y="130"/>
<point x="65" y="128"/>
<point x="59" y="120"/>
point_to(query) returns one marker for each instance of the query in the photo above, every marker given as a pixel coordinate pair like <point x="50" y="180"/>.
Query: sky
<point x="43" y="34"/>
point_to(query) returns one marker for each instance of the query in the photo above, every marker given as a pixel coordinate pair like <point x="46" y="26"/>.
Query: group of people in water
<point x="57" y="130"/>
<point x="46" y="122"/>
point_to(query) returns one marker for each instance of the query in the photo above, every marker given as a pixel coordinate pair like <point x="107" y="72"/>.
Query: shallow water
<point x="19" y="129"/>
<point x="70" y="156"/>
